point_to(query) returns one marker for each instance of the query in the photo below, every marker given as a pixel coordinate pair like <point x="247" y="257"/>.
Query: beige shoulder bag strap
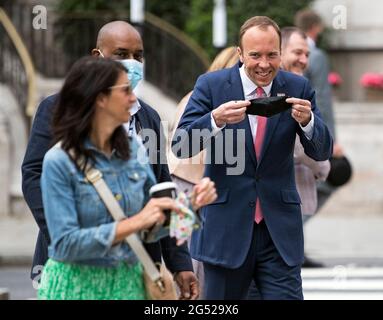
<point x="95" y="177"/>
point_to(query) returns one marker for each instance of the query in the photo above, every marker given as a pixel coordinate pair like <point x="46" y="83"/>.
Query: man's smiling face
<point x="260" y="54"/>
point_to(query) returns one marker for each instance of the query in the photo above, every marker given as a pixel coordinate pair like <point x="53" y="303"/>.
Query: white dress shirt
<point x="311" y="43"/>
<point x="130" y="126"/>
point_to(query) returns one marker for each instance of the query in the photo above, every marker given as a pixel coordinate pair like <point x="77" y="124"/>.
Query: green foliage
<point x="195" y="17"/>
<point x="281" y="11"/>
<point x="173" y="12"/>
<point x="200" y="24"/>
<point x="71" y="6"/>
<point x="79" y="21"/>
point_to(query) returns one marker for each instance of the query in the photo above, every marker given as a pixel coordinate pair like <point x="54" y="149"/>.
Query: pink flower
<point x="372" y="80"/>
<point x="334" y="79"/>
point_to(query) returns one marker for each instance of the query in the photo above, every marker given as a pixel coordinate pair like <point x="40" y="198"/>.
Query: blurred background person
<point x="295" y="58"/>
<point x="317" y="72"/>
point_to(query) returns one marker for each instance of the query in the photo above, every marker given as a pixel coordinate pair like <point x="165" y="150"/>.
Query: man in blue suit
<point x="116" y="40"/>
<point x="254" y="228"/>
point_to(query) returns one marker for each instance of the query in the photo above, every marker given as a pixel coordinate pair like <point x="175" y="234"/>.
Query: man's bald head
<point x="113" y="29"/>
<point x="119" y="40"/>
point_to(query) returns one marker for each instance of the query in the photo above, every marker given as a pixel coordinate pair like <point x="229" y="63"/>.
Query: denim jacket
<point x="81" y="228"/>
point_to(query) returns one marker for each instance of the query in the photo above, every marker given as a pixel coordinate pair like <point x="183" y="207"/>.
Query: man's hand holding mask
<point x="230" y="112"/>
<point x="301" y="110"/>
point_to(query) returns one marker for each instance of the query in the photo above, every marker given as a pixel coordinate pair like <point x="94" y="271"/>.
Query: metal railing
<point x="173" y="61"/>
<point x="16" y="67"/>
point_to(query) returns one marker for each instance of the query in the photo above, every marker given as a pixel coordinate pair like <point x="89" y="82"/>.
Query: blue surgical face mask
<point x="135" y="71"/>
<point x="134" y="67"/>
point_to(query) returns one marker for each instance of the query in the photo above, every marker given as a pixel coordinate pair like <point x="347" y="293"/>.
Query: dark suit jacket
<point x="176" y="258"/>
<point x="226" y="235"/>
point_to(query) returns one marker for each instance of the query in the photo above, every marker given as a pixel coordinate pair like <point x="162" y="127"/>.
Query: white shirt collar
<point x="249" y="86"/>
<point x="135" y="108"/>
<point x="311" y="43"/>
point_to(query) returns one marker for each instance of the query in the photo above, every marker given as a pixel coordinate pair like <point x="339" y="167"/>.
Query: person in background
<point x="88" y="258"/>
<point x="295" y="58"/>
<point x="188" y="172"/>
<point x="317" y="72"/>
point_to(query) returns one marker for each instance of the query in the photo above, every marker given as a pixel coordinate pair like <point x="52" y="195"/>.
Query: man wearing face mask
<point x="120" y="41"/>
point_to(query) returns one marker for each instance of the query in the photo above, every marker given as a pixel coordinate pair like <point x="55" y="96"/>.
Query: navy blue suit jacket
<point x="228" y="223"/>
<point x="176" y="258"/>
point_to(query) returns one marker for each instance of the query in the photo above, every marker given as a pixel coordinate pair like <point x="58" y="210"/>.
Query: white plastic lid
<point x="162" y="186"/>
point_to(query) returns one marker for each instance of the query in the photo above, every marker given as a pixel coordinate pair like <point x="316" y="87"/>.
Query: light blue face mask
<point x="135" y="71"/>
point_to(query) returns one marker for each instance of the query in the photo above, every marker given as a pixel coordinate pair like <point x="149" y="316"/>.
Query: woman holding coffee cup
<point x="87" y="256"/>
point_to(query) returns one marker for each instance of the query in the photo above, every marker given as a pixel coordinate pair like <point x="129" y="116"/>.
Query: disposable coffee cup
<point x="164" y="189"/>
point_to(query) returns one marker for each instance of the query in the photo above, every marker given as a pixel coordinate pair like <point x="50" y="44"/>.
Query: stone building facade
<point x="356" y="42"/>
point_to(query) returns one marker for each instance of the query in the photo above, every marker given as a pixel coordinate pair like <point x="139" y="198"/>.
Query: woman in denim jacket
<point x="88" y="258"/>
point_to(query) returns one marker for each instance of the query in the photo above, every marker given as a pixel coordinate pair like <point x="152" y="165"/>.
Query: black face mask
<point x="267" y="107"/>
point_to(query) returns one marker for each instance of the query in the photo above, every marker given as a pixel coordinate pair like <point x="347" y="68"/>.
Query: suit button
<point x="252" y="204"/>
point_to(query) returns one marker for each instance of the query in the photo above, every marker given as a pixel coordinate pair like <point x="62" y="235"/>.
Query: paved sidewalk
<point x="333" y="240"/>
<point x="17" y="240"/>
<point x="353" y="241"/>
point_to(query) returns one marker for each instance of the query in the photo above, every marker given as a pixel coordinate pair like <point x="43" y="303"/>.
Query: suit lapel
<point x="234" y="91"/>
<point x="277" y="87"/>
<point x="142" y="118"/>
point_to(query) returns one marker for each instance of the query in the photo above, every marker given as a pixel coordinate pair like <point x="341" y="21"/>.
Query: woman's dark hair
<point x="75" y="107"/>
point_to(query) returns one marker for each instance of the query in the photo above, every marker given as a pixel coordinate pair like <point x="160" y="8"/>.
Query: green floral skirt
<point x="67" y="281"/>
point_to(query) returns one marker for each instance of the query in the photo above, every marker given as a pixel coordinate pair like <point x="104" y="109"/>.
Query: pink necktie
<point x="259" y="137"/>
